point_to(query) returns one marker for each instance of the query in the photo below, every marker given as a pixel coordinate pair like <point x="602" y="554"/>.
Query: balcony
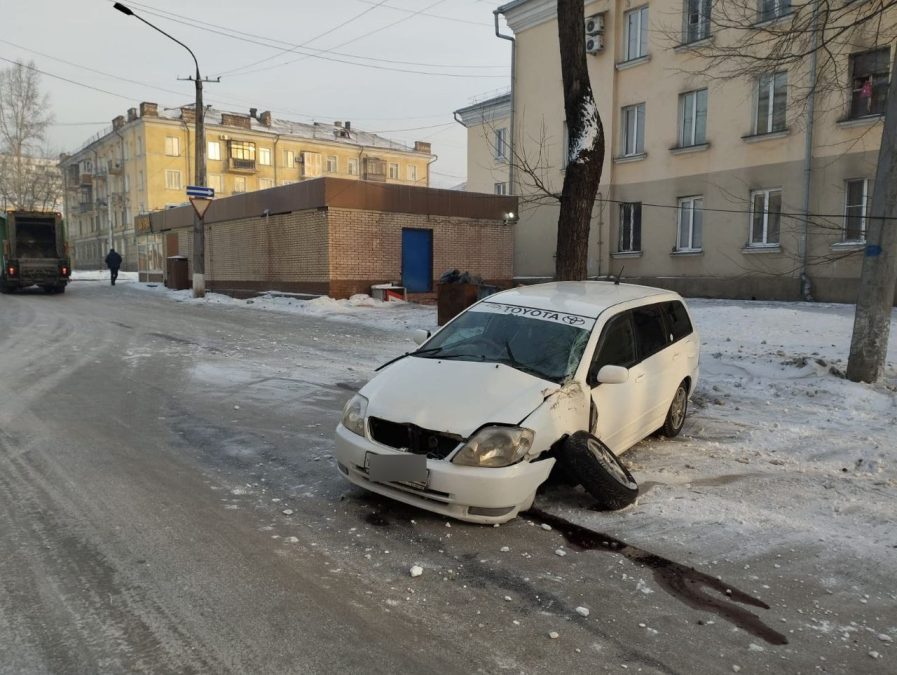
<point x="241" y="165"/>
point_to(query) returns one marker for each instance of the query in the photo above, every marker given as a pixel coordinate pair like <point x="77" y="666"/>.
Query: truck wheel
<point x="599" y="471"/>
<point x="675" y="419"/>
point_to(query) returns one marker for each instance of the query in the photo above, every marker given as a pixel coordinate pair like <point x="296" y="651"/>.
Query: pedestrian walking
<point x="113" y="262"/>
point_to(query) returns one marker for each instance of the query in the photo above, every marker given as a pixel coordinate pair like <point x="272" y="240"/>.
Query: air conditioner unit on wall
<point x="595" y="24"/>
<point x="594" y="44"/>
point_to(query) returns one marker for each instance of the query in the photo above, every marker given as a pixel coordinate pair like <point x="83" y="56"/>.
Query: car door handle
<point x="640" y="377"/>
<point x="676" y="356"/>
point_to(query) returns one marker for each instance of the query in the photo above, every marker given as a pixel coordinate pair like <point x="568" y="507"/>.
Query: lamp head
<point x="121" y="8"/>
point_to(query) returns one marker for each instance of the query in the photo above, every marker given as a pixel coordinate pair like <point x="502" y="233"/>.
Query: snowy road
<point x="168" y="503"/>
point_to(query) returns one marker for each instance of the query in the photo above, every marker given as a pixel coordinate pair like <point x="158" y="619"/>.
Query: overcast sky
<point x="395" y="67"/>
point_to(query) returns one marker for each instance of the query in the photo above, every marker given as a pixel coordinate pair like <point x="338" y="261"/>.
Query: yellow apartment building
<point x="711" y="186"/>
<point x="145" y="161"/>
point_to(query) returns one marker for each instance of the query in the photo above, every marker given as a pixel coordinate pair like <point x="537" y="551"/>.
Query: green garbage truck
<point x="33" y="251"/>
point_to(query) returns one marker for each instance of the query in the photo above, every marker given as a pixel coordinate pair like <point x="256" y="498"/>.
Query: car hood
<point x="456" y="397"/>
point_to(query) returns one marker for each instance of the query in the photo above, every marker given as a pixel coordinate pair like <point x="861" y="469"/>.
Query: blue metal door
<point x="417" y="260"/>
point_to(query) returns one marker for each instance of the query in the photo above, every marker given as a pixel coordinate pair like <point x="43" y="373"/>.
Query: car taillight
<point x="11" y="271"/>
<point x="64" y="270"/>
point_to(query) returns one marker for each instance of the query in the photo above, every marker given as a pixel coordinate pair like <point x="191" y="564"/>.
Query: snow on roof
<point x="584" y="298"/>
<point x="315" y="131"/>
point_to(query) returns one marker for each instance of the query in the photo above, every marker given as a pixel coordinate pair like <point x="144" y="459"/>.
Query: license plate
<point x="396" y="468"/>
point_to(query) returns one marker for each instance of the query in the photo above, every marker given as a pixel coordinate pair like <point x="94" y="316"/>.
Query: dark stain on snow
<point x="684" y="583"/>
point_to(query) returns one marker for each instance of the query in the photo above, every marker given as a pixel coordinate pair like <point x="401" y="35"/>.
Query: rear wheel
<point x="675" y="419"/>
<point x="599" y="471"/>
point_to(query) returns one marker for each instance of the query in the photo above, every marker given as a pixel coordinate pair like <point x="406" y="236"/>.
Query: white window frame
<point x="411" y="172"/>
<point x="500" y="188"/>
<point x="173" y="179"/>
<point x="312" y="165"/>
<point x="392" y="170"/>
<point x="699" y="29"/>
<point x="216" y="182"/>
<point x="265" y="156"/>
<point x="764" y="122"/>
<point x="864" y="206"/>
<point x="632" y="130"/>
<point x="688" y="129"/>
<point x="501" y="144"/>
<point x="289" y="159"/>
<point x="238" y="181"/>
<point x="172" y="146"/>
<point x="769" y="10"/>
<point x="627" y="219"/>
<point x="765" y="239"/>
<point x="332" y="164"/>
<point x="352" y="167"/>
<point x="214" y="150"/>
<point x="635" y="20"/>
<point x="694" y="204"/>
<point x="266" y="183"/>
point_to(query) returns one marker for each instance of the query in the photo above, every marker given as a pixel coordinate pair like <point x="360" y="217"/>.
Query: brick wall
<point x="291" y="251"/>
<point x="366" y="247"/>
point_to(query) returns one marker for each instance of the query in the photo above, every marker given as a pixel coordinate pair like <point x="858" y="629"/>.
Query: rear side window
<point x="678" y="322"/>
<point x="649" y="330"/>
<point x="617" y="346"/>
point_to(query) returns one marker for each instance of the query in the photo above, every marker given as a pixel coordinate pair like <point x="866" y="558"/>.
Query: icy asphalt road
<point x="168" y="504"/>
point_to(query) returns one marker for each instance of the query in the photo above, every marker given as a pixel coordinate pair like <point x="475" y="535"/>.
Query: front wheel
<point x="675" y="419"/>
<point x="599" y="471"/>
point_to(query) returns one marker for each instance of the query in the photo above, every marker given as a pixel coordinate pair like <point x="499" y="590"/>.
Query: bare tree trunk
<point x="875" y="298"/>
<point x="585" y="146"/>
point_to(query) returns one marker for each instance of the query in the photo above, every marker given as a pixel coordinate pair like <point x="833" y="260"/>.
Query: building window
<point x="501" y="188"/>
<point x="771" y="102"/>
<point x="127" y="183"/>
<point x="265" y="183"/>
<point x="214" y="150"/>
<point x="265" y="156"/>
<point x="633" y="141"/>
<point x="289" y="159"/>
<point x="773" y="9"/>
<point x="172" y="146"/>
<point x="501" y="143"/>
<point x="630" y="227"/>
<point x="139" y="145"/>
<point x="693" y="118"/>
<point x="766" y="217"/>
<point x="140" y="182"/>
<point x="242" y="154"/>
<point x="239" y="184"/>
<point x="173" y="179"/>
<point x="635" y="39"/>
<point x="311" y="164"/>
<point x="869" y="93"/>
<point x="691" y="224"/>
<point x="215" y="182"/>
<point x="411" y="172"/>
<point x="697" y="20"/>
<point x="332" y="165"/>
<point x="393" y="171"/>
<point x="352" y="167"/>
<point x="855" y="210"/>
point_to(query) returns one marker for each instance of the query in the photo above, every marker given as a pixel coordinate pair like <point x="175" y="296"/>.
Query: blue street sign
<point x="197" y="191"/>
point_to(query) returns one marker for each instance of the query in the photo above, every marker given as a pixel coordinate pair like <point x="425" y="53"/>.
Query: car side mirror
<point x="612" y="375"/>
<point x="420" y="336"/>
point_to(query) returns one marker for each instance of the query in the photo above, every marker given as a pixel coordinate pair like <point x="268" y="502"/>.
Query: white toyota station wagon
<point x="470" y="424"/>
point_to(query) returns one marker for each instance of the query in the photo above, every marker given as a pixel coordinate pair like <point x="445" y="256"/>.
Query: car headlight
<point x="353" y="414"/>
<point x="495" y="446"/>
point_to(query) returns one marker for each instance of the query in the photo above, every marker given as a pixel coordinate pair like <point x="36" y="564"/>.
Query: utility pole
<point x="199" y="235"/>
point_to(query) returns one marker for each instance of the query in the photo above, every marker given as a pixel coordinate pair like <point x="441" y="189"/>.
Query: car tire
<point x="599" y="471"/>
<point x="675" y="418"/>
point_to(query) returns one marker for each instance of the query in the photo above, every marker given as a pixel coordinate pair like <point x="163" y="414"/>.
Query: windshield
<point x="538" y="342"/>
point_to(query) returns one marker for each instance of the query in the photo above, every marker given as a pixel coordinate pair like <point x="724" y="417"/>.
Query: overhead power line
<point x="337" y="57"/>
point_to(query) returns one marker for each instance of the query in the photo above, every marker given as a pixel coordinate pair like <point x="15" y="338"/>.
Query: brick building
<point x="338" y="237"/>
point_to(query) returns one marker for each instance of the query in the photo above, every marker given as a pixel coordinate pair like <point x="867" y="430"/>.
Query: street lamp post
<point x="199" y="264"/>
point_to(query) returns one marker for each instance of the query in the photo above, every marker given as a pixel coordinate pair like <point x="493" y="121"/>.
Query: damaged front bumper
<point x="472" y="494"/>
